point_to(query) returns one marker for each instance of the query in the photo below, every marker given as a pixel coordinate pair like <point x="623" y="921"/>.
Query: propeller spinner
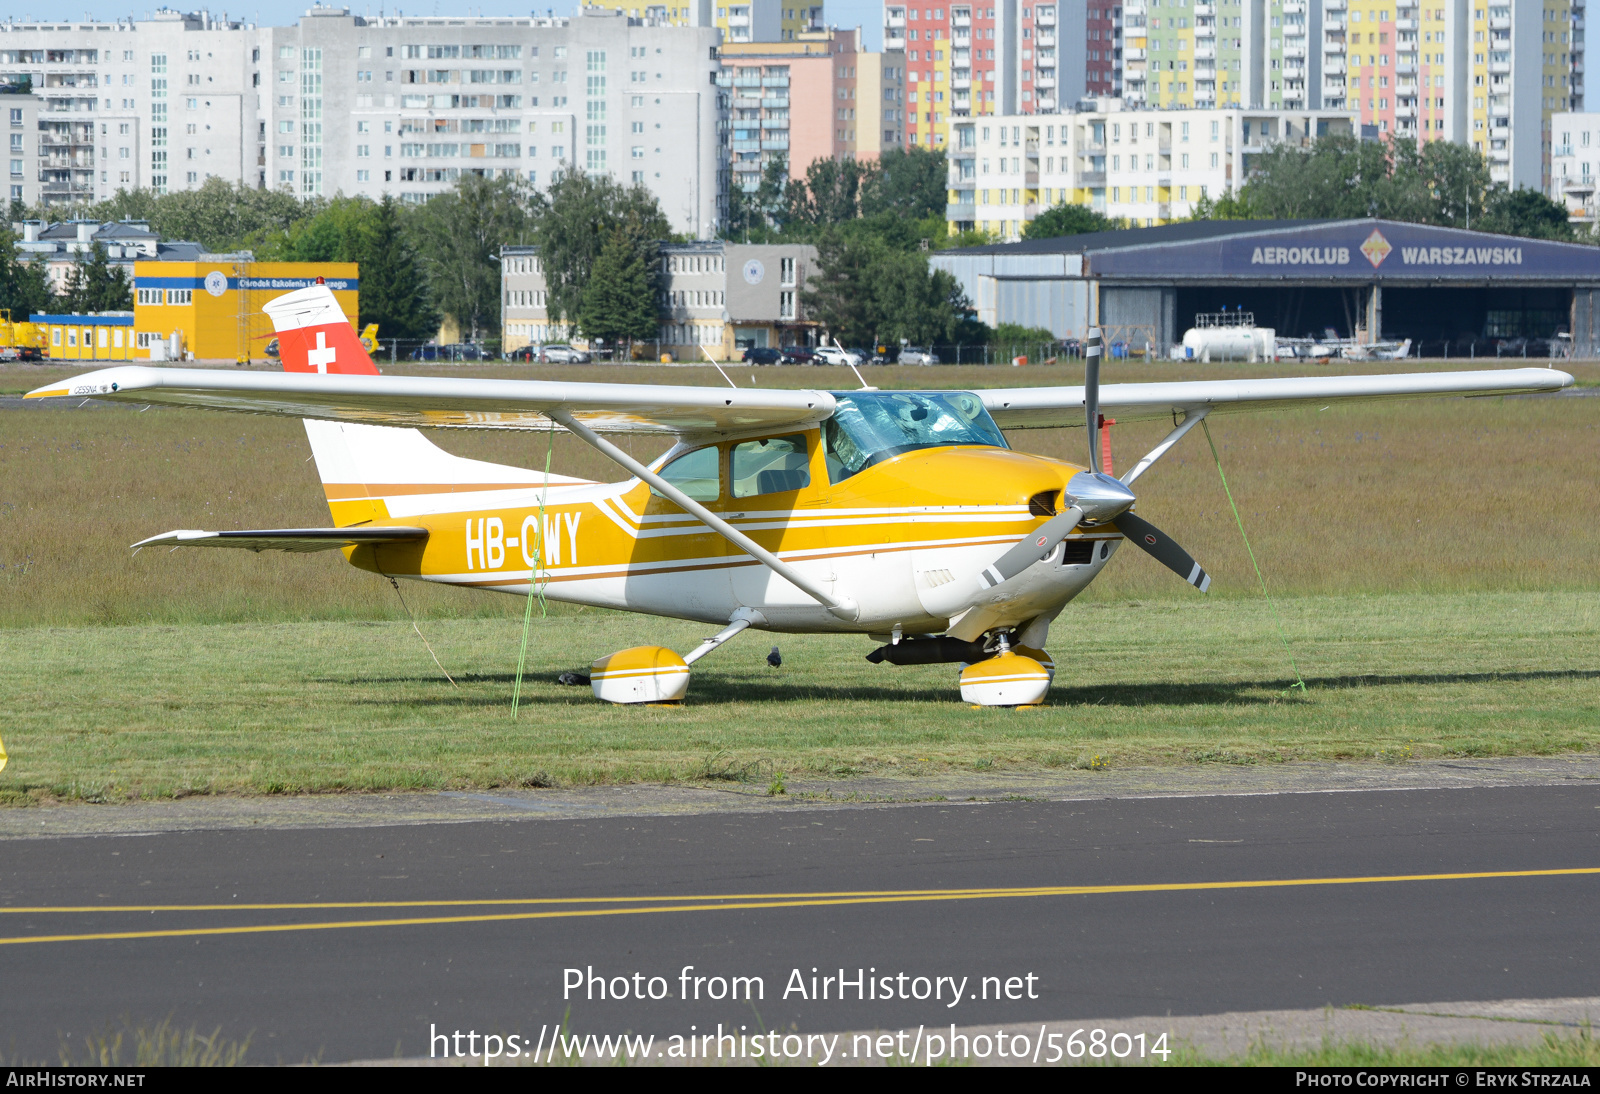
<point x="1095" y="498"/>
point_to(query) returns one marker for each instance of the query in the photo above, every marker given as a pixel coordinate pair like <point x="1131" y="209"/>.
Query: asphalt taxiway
<point x="358" y="940"/>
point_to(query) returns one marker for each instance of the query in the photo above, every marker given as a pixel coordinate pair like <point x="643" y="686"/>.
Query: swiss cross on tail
<point x="314" y="335"/>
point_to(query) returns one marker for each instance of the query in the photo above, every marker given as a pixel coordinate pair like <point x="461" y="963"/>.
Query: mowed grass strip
<point x="1435" y="562"/>
<point x="107" y="713"/>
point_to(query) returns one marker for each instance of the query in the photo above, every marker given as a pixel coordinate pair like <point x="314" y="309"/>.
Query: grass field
<point x="1436" y="564"/>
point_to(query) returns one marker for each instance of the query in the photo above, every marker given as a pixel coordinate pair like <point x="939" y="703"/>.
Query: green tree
<point x="458" y="236"/>
<point x="619" y="302"/>
<point x="582" y="213"/>
<point x="1229" y="205"/>
<point x="393" y="289"/>
<point x="906" y="183"/>
<point x="1067" y="220"/>
<point x="829" y="194"/>
<point x="866" y="291"/>
<point x="1528" y="213"/>
<point x="23" y="288"/>
<point x="96" y="285"/>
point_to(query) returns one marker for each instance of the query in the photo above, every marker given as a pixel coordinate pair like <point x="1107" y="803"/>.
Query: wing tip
<point x="47" y="393"/>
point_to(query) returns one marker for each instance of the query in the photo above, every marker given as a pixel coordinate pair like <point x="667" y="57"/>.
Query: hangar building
<point x="1366" y="279"/>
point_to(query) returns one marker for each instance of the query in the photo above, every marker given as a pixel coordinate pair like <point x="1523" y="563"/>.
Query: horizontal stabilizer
<point x="286" y="539"/>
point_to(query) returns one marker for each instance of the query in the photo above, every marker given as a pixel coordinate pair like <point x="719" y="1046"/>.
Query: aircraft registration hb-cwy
<point x="903" y="515"/>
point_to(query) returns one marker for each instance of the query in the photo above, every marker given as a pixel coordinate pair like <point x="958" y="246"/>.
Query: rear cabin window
<point x="695" y="473"/>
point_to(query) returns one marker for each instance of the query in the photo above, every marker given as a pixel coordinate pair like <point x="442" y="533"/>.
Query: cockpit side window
<point x="869" y="427"/>
<point x="769" y="466"/>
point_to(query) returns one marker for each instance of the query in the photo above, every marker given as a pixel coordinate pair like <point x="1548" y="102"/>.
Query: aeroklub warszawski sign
<point x="1354" y="251"/>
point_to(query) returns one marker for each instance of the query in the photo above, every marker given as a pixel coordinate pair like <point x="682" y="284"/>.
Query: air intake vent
<point x="1077" y="552"/>
<point x="1043" y="504"/>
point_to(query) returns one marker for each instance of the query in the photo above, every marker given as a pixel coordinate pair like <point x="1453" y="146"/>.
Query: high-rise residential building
<point x="400" y="105"/>
<point x="27" y="149"/>
<point x="746" y="21"/>
<point x="1490" y="73"/>
<point x="967" y="60"/>
<point x="169" y="100"/>
<point x="1200" y="54"/>
<point x="819" y="97"/>
<point x="1102" y="53"/>
<point x="1575" y="165"/>
<point x="1147" y="167"/>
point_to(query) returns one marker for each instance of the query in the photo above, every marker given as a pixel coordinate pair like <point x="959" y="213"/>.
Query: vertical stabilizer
<point x="314" y="334"/>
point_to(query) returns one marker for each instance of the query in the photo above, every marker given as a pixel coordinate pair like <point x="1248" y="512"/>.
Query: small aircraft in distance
<point x="902" y="515"/>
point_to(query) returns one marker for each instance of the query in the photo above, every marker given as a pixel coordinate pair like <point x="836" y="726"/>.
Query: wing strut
<point x="843" y="607"/>
<point x="1191" y="418"/>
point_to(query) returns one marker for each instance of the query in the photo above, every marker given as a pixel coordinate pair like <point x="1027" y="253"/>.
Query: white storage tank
<point x="1229" y="336"/>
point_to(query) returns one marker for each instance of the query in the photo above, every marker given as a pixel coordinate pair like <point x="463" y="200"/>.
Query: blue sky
<point x="844" y="13"/>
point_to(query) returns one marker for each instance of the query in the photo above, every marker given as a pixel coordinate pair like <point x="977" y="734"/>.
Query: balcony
<point x="1405" y="111"/>
<point x="1500" y="22"/>
<point x="900" y="21"/>
<point x="1296" y="52"/>
<point x="1332" y="5"/>
<point x="1405" y="68"/>
<point x="1405" y="24"/>
<point x="1333" y="47"/>
<point x="1203" y="8"/>
<point x="1091" y="178"/>
<point x="961" y="83"/>
<point x="1500" y="155"/>
<point x="964" y="211"/>
<point x="1047" y="17"/>
<point x="959" y="21"/>
<point x="1047" y="39"/>
<point x="1133" y="54"/>
<point x="738" y="20"/>
<point x="1044" y="81"/>
<point x="1333" y="68"/>
<point x="1205" y="51"/>
<point x="1500" y="68"/>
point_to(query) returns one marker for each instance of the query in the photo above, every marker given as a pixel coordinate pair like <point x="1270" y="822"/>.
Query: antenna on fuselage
<point x="864" y="385"/>
<point x="718" y="367"/>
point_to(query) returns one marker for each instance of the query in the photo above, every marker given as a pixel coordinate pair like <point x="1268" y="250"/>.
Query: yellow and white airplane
<point x="903" y="515"/>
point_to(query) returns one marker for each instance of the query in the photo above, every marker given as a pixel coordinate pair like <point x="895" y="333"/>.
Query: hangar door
<point x="1139" y="316"/>
<point x="1059" y="305"/>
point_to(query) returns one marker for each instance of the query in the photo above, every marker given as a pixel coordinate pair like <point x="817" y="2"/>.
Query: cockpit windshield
<point x="869" y="427"/>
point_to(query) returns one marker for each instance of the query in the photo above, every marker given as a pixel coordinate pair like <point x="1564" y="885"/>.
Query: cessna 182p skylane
<point x="904" y="515"/>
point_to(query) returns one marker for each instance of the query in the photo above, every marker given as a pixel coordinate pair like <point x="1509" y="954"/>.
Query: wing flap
<point x="450" y="402"/>
<point x="299" y="540"/>
<point x="1053" y="407"/>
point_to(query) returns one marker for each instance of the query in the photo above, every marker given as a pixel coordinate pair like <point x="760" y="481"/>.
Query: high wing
<point x="298" y="540"/>
<point x="446" y="402"/>
<point x="1052" y="407"/>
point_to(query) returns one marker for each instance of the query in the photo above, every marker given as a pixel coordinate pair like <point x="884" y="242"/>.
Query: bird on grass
<point x="774" y="658"/>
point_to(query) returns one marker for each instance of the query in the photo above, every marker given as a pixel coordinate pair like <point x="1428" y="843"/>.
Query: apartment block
<point x="725" y="297"/>
<point x="968" y="60"/>
<point x="819" y="97"/>
<point x="26" y="148"/>
<point x="1200" y="54"/>
<point x="752" y="21"/>
<point x="346" y="104"/>
<point x="1489" y="73"/>
<point x="166" y="101"/>
<point x="1575" y="164"/>
<point x="1147" y="167"/>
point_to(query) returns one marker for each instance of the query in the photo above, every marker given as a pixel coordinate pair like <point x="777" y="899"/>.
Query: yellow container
<point x="214" y="307"/>
<point x="104" y="337"/>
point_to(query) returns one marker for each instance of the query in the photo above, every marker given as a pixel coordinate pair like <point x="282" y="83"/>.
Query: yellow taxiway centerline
<point x="646" y="905"/>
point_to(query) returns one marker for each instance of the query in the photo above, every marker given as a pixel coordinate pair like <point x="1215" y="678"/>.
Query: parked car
<point x="832" y="355"/>
<point x="798" y="355"/>
<point x="762" y="355"/>
<point x="1071" y="347"/>
<point x="523" y="353"/>
<point x="916" y="355"/>
<point x="563" y="355"/>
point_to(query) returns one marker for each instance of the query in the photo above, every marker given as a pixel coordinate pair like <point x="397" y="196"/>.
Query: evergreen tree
<point x="583" y="213"/>
<point x="393" y="291"/>
<point x="619" y="303"/>
<point x="23" y="289"/>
